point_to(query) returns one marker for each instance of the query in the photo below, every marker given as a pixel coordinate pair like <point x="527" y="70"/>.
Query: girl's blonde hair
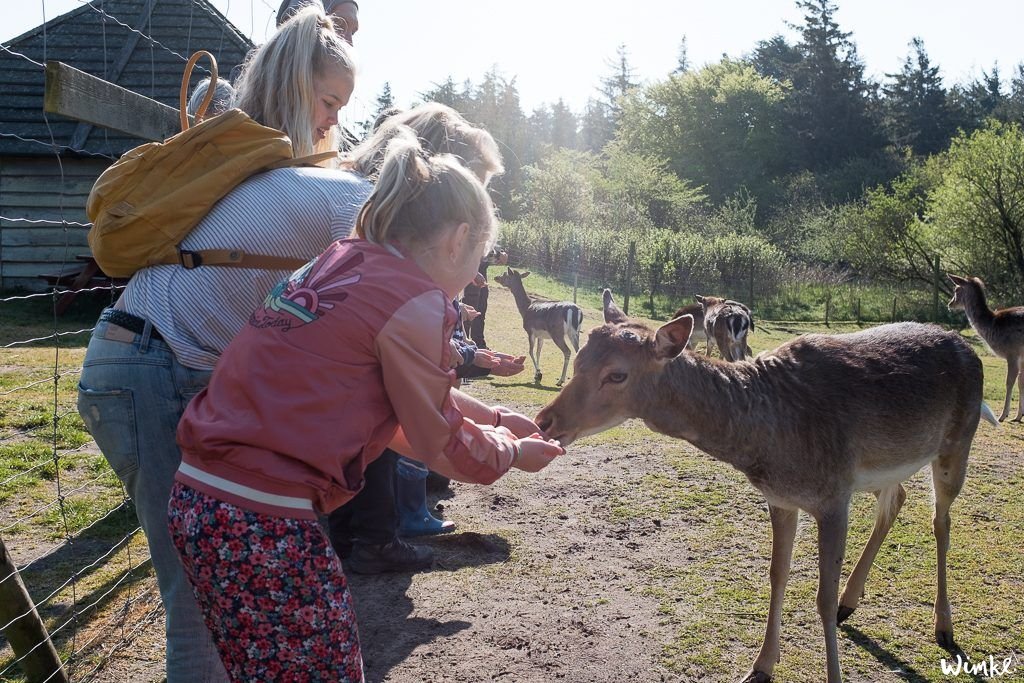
<point x="276" y="85"/>
<point x="441" y="130"/>
<point x="417" y="195"/>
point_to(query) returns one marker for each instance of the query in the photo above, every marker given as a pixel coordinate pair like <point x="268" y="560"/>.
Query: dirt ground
<point x="537" y="584"/>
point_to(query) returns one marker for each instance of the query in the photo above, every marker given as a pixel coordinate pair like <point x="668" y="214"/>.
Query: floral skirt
<point x="271" y="589"/>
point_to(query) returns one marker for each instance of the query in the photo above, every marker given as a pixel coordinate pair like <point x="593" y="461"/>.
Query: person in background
<point x="223" y="97"/>
<point x="156" y="347"/>
<point x="365" y="532"/>
<point x="348" y="355"/>
<point x="344" y="13"/>
<point x="476" y="295"/>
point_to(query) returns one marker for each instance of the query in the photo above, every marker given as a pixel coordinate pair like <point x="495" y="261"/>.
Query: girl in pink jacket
<point x="349" y="355"/>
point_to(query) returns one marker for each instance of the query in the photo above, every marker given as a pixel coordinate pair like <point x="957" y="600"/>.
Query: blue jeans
<point x="131" y="395"/>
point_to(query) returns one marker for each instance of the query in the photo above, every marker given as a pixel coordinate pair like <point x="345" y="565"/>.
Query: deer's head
<point x="612" y="374"/>
<point x="512" y="279"/>
<point x="964" y="290"/>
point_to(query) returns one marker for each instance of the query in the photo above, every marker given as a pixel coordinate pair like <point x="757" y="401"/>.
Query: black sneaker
<point x="395" y="556"/>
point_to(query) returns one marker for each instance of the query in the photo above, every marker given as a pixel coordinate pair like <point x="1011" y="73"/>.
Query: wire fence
<point x="70" y="540"/>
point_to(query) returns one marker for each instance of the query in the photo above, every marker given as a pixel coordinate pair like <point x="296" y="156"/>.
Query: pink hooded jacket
<point x="314" y="388"/>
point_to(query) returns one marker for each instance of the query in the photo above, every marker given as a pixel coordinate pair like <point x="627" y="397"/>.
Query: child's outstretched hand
<point x="535" y="453"/>
<point x="520" y="425"/>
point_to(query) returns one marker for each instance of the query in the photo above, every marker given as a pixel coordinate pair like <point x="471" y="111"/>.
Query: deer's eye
<point x="615" y="377"/>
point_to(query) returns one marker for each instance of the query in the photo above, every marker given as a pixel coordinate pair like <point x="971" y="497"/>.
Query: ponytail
<point x="276" y="87"/>
<point x="416" y="196"/>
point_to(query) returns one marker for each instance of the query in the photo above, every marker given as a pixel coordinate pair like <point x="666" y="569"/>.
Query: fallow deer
<point x="558" y="321"/>
<point x="728" y="323"/>
<point x="809" y="424"/>
<point x="696" y="311"/>
<point x="1002" y="331"/>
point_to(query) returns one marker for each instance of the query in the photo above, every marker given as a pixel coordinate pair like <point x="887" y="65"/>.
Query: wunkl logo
<point x="989" y="667"/>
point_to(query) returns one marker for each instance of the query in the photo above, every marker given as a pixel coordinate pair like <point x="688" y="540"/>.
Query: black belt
<point x="130" y="322"/>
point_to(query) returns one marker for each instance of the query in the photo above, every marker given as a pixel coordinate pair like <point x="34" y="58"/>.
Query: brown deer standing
<point x="809" y="424"/>
<point x="1002" y="331"/>
<point x="696" y="311"/>
<point x="558" y="321"/>
<point x="728" y="323"/>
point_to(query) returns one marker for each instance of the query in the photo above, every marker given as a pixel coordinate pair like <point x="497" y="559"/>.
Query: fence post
<point x="629" y="276"/>
<point x="24" y="629"/>
<point x="858" y="310"/>
<point x="935" y="290"/>
<point x="750" y="298"/>
<point x="893" y="310"/>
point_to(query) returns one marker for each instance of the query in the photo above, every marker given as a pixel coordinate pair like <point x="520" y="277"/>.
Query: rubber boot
<point x="414" y="519"/>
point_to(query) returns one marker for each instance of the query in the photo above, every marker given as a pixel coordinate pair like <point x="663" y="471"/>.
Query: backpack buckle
<point x="189" y="259"/>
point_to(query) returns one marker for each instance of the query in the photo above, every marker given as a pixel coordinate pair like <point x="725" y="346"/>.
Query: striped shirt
<point x="292" y="212"/>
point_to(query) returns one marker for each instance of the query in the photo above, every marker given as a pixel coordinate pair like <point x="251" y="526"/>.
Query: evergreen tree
<point x="385" y="103"/>
<point x="776" y="59"/>
<point x="916" y="113"/>
<point x="831" y="99"/>
<point x="682" y="59"/>
<point x="618" y="84"/>
<point x="596" y="127"/>
<point x="563" y="126"/>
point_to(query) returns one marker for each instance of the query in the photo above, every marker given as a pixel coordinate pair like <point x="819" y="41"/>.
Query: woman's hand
<point x="535" y="453"/>
<point x="486" y="359"/>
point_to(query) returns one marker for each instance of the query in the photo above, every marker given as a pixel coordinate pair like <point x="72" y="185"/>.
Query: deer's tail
<point x="988" y="415"/>
<point x="574" y="320"/>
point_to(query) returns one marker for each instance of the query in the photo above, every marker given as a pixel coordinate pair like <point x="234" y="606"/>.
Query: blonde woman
<point x="156" y="348"/>
<point x="348" y="355"/>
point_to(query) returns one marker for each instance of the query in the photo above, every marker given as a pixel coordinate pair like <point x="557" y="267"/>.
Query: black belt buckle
<point x="189" y="259"/>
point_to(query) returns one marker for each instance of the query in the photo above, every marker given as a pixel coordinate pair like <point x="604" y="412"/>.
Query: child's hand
<point x="468" y="312"/>
<point x="508" y="365"/>
<point x="535" y="453"/>
<point x="520" y="425"/>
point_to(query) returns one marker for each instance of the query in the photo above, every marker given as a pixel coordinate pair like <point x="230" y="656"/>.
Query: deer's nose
<point x="544" y="421"/>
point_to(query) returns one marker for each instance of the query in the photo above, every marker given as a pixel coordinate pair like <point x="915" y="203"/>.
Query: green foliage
<point x="719" y="127"/>
<point x="976" y="212"/>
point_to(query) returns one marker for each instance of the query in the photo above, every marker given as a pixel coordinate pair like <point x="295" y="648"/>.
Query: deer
<point x="809" y="424"/>
<point x="696" y="311"/>
<point x="1001" y="330"/>
<point x="559" y="321"/>
<point x="728" y="323"/>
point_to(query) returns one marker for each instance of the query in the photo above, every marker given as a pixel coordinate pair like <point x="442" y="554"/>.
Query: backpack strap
<point x="231" y="258"/>
<point x="308" y="160"/>
<point x="183" y="93"/>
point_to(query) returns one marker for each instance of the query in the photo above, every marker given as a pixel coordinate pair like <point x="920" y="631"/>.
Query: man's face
<point x="346" y="18"/>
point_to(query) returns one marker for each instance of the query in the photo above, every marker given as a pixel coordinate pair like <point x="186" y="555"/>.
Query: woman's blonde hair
<point x="418" y="194"/>
<point x="276" y="85"/>
<point x="441" y="130"/>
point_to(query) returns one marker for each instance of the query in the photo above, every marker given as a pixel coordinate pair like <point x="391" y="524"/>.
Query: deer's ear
<point x="525" y="273"/>
<point x="956" y="279"/>
<point x="671" y="338"/>
<point x="698" y="298"/>
<point x="612" y="313"/>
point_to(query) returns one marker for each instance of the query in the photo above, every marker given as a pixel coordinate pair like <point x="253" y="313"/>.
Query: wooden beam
<point x="114" y="71"/>
<point x="78" y="95"/>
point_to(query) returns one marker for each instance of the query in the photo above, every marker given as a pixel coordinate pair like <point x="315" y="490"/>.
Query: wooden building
<point x="47" y="162"/>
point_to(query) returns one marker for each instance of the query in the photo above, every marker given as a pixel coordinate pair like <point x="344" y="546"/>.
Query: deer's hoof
<point x="757" y="677"/>
<point x="537" y="377"/>
<point x="559" y="382"/>
<point x="843" y="613"/>
<point x="945" y="639"/>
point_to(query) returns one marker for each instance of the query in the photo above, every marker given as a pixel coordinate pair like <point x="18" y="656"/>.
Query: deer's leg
<point x="1020" y="391"/>
<point x="537" y="361"/>
<point x="537" y="375"/>
<point x="784" y="524"/>
<point x="560" y="343"/>
<point x="948" y="474"/>
<point x="832" y="528"/>
<point x="890" y="501"/>
<point x="1012" y="370"/>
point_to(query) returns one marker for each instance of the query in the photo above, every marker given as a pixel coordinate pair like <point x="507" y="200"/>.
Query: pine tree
<point x="831" y="97"/>
<point x="682" y="59"/>
<point x="916" y="113"/>
<point x="563" y="126"/>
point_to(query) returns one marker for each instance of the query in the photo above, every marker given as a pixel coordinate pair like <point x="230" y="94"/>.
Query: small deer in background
<point x="695" y="311"/>
<point x="729" y="323"/>
<point x="809" y="424"/>
<point x="558" y="321"/>
<point x="1002" y="331"/>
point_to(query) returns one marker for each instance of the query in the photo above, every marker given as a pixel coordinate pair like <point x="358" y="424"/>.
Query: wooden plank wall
<point x="32" y="188"/>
